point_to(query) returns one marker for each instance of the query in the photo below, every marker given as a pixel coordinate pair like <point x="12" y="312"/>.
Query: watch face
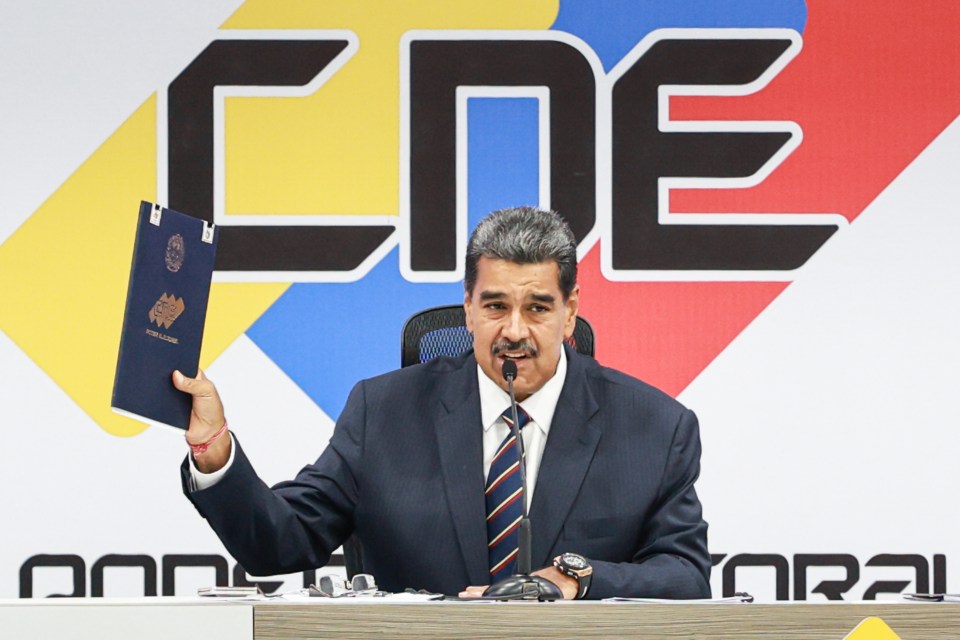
<point x="574" y="561"/>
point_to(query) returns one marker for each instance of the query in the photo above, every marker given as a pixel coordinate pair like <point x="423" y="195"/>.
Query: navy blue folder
<point x="167" y="296"/>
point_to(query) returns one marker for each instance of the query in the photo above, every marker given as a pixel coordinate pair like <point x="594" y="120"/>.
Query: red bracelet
<point x="199" y="449"/>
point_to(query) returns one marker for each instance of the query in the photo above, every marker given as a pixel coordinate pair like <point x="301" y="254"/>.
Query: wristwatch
<point x="577" y="567"/>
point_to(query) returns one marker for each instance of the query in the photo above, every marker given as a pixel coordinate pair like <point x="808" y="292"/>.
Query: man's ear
<point x="468" y="310"/>
<point x="572" y="308"/>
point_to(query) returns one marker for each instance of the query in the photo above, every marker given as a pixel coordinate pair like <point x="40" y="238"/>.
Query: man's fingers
<point x="199" y="386"/>
<point x="207" y="412"/>
<point x="472" y="592"/>
<point x="180" y="381"/>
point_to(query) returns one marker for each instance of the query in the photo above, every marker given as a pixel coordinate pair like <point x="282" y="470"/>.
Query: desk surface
<point x="124" y="619"/>
<point x="105" y="618"/>
<point x="806" y="621"/>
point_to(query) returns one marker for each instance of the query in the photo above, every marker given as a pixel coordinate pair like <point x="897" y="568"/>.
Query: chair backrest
<point x="442" y="331"/>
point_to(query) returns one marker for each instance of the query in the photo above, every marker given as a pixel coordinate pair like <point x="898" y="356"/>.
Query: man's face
<point x="517" y="312"/>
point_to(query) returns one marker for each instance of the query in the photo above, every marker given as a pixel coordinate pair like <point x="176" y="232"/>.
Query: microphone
<point x="509" y="372"/>
<point x="521" y="585"/>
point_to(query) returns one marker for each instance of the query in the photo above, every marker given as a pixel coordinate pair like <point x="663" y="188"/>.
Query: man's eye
<point x="495" y="306"/>
<point x="539" y="308"/>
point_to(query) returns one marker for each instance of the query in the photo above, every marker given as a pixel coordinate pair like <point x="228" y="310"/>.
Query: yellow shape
<point x="64" y="273"/>
<point x="233" y="308"/>
<point x="872" y="629"/>
<point x="337" y="151"/>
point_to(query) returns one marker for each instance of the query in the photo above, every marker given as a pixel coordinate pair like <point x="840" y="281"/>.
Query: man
<point x="611" y="462"/>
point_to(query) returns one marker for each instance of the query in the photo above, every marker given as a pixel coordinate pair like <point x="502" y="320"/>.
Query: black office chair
<point x="442" y="331"/>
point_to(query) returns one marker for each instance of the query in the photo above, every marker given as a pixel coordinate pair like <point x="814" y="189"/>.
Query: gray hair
<point x="525" y="235"/>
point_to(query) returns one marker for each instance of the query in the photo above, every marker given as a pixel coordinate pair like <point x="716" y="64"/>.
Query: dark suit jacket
<point x="403" y="472"/>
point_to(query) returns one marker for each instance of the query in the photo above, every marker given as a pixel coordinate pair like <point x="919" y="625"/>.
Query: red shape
<point x="875" y="83"/>
<point x="666" y="333"/>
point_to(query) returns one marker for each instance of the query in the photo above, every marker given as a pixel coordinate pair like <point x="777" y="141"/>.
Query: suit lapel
<point x="570" y="447"/>
<point x="460" y="443"/>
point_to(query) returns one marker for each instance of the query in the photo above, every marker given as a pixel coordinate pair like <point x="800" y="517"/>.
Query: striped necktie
<point x="504" y="507"/>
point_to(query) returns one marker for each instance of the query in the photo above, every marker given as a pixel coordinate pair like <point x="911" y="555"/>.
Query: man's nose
<point x="516" y="328"/>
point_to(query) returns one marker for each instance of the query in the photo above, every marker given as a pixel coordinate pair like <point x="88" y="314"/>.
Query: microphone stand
<point x="521" y="585"/>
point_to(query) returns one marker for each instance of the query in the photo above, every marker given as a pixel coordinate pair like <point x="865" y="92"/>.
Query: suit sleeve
<point x="295" y="525"/>
<point x="673" y="561"/>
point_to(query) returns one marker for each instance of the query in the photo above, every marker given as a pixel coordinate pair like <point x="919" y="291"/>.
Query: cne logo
<point x="345" y="142"/>
<point x="166" y="310"/>
<point x="176" y="250"/>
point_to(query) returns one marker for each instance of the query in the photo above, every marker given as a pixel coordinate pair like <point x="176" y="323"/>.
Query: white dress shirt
<point x="540" y="407"/>
<point x="493" y="402"/>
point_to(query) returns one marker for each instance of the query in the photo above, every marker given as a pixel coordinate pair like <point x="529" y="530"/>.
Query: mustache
<point x="522" y="345"/>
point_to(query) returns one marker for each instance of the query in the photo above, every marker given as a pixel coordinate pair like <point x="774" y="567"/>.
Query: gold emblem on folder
<point x="166" y="310"/>
<point x="176" y="250"/>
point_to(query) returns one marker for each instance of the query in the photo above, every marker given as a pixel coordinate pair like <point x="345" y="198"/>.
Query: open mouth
<point x="515" y="352"/>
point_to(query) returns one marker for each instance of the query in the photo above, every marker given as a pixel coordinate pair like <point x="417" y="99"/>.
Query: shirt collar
<point x="540" y="406"/>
